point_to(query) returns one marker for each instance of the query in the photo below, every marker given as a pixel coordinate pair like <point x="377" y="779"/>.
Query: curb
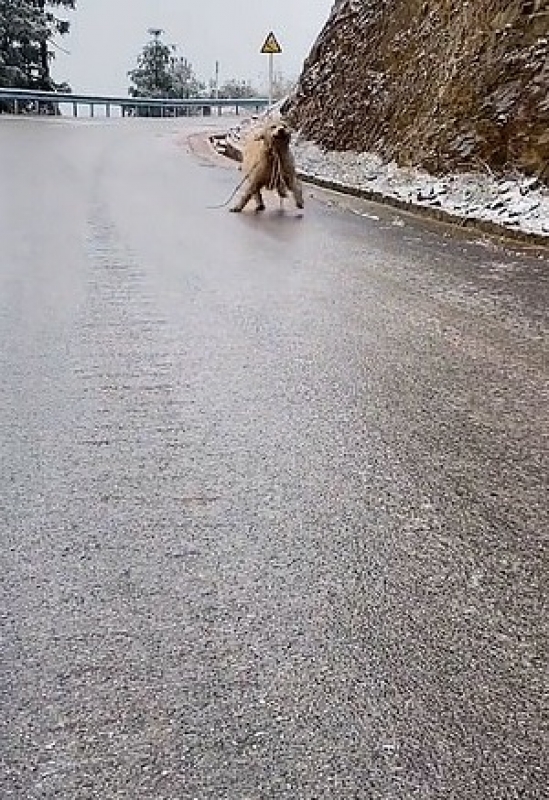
<point x="224" y="147"/>
<point x="439" y="214"/>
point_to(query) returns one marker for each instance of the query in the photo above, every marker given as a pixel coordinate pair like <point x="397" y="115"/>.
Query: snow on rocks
<point x="518" y="203"/>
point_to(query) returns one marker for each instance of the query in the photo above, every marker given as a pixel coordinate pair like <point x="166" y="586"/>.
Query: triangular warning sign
<point x="271" y="45"/>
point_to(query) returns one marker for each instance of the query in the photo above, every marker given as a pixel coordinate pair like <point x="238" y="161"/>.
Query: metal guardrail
<point x="162" y="107"/>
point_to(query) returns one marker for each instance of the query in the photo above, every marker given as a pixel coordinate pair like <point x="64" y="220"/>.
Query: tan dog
<point x="268" y="163"/>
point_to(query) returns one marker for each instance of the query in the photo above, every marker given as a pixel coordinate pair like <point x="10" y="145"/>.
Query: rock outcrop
<point x="446" y="85"/>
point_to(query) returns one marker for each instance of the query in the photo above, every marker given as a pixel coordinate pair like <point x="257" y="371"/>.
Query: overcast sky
<point x="107" y="36"/>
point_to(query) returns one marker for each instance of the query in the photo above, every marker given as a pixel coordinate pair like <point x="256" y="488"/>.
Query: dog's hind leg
<point x="297" y="192"/>
<point x="293" y="184"/>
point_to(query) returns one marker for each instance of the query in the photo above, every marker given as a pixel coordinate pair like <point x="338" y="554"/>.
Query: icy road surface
<point x="273" y="488"/>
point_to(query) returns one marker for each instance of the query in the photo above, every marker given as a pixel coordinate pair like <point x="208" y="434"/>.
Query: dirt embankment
<point x="442" y="84"/>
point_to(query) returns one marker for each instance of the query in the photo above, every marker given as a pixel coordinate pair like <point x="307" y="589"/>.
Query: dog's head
<point x="281" y="134"/>
<point x="276" y="135"/>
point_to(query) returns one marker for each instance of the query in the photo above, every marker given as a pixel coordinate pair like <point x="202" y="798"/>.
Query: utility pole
<point x="271" y="78"/>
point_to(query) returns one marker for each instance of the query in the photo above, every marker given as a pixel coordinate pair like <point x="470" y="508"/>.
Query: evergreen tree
<point x="56" y="26"/>
<point x="27" y="29"/>
<point x="159" y="73"/>
<point x="152" y="76"/>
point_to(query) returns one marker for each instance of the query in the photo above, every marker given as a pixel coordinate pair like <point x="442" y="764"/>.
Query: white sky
<point x="108" y="35"/>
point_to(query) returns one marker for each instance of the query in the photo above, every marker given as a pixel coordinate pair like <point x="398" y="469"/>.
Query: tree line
<point x="161" y="73"/>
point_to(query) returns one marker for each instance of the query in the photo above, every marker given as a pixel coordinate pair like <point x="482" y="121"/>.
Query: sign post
<point x="271" y="47"/>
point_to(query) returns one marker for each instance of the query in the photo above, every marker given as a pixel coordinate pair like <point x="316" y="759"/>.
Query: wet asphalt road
<point x="273" y="489"/>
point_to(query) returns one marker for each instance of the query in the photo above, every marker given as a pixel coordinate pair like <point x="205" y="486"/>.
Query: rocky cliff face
<point x="442" y="84"/>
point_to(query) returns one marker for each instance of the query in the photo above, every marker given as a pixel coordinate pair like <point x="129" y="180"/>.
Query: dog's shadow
<point x="272" y="216"/>
<point x="276" y="223"/>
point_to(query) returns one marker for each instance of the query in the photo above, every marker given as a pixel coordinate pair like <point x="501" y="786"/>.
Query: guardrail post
<point x="108" y="109"/>
<point x="92" y="109"/>
<point x="75" y="109"/>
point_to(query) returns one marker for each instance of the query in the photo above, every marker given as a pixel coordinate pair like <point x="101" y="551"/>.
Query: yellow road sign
<point x="271" y="45"/>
